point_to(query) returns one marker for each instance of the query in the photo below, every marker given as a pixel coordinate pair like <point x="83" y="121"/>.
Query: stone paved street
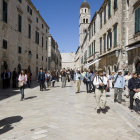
<point x="60" y="114"/>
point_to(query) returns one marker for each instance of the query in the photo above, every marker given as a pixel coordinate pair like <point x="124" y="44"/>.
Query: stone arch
<point x="136" y="64"/>
<point x="115" y="69"/>
<point x="109" y="70"/>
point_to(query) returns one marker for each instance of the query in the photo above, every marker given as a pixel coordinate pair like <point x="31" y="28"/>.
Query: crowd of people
<point x="97" y="82"/>
<point x="100" y="83"/>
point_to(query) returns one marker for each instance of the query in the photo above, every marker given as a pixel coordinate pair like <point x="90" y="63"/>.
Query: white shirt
<point x="100" y="80"/>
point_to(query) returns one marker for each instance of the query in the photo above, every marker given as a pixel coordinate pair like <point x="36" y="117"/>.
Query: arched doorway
<point x="19" y="68"/>
<point x="137" y="64"/>
<point x="109" y="71"/>
<point x="115" y="68"/>
<point x="138" y="67"/>
<point x="4" y="66"/>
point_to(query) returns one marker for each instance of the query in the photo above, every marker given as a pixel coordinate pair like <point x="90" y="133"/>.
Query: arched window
<point x="86" y="20"/>
<point x="83" y="20"/>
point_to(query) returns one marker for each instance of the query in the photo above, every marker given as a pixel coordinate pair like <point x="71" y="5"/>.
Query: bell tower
<point x="84" y="21"/>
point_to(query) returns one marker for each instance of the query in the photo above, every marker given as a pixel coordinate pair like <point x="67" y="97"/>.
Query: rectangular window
<point x="42" y="41"/>
<point x="36" y="37"/>
<point x="94" y="27"/>
<point x="28" y="8"/>
<point x="109" y="8"/>
<point x="20" y="1"/>
<point x="105" y="43"/>
<point x="46" y="31"/>
<point x="137" y="20"/>
<point x="19" y="50"/>
<point x="101" y="20"/>
<point x="104" y="15"/>
<point x="5" y="11"/>
<point x="36" y="19"/>
<point x="36" y="56"/>
<point x="101" y="45"/>
<point x="42" y="58"/>
<point x="115" y="35"/>
<point x="115" y="4"/>
<point x="42" y="26"/>
<point x="46" y="45"/>
<point x="85" y="56"/>
<point x="92" y="30"/>
<point x="30" y="11"/>
<point x="4" y="44"/>
<point x="92" y="49"/>
<point x="109" y="40"/>
<point x="19" y="23"/>
<point x="29" y="31"/>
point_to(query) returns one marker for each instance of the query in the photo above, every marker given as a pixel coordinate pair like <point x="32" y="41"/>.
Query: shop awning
<point x="133" y="47"/>
<point x="93" y="62"/>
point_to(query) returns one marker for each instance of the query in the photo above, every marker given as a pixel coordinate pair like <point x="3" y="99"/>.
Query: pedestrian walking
<point x="22" y="82"/>
<point x="127" y="77"/>
<point x="14" y="78"/>
<point x="4" y="77"/>
<point x="88" y="77"/>
<point x="119" y="84"/>
<point x="78" y="78"/>
<point x="53" y="78"/>
<point x="134" y="87"/>
<point x="48" y="77"/>
<point x="64" y="76"/>
<point x="100" y="82"/>
<point x="41" y="79"/>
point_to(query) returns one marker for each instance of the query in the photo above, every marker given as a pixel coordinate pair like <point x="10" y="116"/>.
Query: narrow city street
<point x="60" y="114"/>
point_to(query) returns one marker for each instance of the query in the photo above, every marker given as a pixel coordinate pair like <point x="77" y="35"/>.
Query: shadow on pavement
<point x="29" y="98"/>
<point x="8" y="93"/>
<point x="7" y="123"/>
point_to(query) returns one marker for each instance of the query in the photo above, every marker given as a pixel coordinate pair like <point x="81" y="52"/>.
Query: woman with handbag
<point x="22" y="81"/>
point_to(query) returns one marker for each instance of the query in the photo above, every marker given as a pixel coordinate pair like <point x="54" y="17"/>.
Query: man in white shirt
<point x="100" y="82"/>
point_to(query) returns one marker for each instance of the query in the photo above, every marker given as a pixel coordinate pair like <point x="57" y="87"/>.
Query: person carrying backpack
<point x="119" y="84"/>
<point x="100" y="83"/>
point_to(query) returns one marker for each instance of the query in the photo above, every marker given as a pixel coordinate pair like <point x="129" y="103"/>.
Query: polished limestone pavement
<point x="60" y="114"/>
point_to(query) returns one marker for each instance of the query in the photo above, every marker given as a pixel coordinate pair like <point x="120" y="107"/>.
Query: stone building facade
<point x="23" y="37"/>
<point x="108" y="35"/>
<point x="133" y="44"/>
<point x="54" y="56"/>
<point x="68" y="60"/>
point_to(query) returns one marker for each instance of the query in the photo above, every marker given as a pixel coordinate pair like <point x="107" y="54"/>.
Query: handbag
<point x="20" y="84"/>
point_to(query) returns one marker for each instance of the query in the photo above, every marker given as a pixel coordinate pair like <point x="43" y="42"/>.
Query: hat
<point x="134" y="72"/>
<point x="100" y="70"/>
<point x="119" y="71"/>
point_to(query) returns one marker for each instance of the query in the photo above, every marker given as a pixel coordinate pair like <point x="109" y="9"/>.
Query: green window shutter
<point x="109" y="8"/>
<point x="115" y="4"/>
<point x="110" y="39"/>
<point x="136" y="21"/>
<point x="115" y="36"/>
<point x="139" y="20"/>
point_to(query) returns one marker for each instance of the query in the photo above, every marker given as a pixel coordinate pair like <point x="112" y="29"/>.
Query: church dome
<point x="85" y="5"/>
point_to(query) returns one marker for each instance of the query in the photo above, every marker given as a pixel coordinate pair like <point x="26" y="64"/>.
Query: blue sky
<point x="62" y="16"/>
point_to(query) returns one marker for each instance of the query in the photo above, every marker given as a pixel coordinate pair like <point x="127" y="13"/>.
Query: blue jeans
<point x="22" y="92"/>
